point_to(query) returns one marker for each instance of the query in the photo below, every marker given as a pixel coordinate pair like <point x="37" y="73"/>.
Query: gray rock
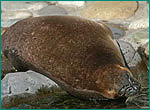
<point x="52" y="10"/>
<point x="131" y="56"/>
<point x="128" y="50"/>
<point x="24" y="82"/>
<point x="136" y="60"/>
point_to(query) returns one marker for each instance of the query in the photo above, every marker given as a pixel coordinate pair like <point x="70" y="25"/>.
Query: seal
<point x="78" y="54"/>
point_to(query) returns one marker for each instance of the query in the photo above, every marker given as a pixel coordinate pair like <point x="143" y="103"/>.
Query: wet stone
<point x="52" y="10"/>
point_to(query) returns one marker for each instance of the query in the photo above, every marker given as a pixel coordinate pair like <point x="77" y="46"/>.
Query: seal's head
<point x="117" y="81"/>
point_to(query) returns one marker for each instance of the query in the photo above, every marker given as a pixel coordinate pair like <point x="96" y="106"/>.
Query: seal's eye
<point x="110" y="89"/>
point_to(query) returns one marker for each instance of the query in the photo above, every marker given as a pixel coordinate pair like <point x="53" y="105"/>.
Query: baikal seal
<point x="80" y="55"/>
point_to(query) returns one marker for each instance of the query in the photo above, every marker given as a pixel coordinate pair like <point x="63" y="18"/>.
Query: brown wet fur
<point x="78" y="54"/>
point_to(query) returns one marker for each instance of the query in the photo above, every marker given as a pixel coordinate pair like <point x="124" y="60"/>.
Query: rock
<point x="127" y="50"/>
<point x="52" y="10"/>
<point x="22" y="5"/>
<point x="24" y="82"/>
<point x="136" y="37"/>
<point x="74" y="3"/>
<point x="108" y="10"/>
<point x="136" y="60"/>
<point x="131" y="56"/>
<point x="15" y="15"/>
<point x="141" y="17"/>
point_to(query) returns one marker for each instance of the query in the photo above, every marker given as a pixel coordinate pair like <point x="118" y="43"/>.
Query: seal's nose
<point x="130" y="86"/>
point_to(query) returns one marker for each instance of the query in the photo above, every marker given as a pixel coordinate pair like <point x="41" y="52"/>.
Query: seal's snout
<point x="130" y="86"/>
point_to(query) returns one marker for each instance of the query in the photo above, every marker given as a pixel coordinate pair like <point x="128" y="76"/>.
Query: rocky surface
<point x="131" y="56"/>
<point x="23" y="82"/>
<point x="110" y="10"/>
<point x="129" y="23"/>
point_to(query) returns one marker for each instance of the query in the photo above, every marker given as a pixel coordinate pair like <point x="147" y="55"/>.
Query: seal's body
<point x="78" y="54"/>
